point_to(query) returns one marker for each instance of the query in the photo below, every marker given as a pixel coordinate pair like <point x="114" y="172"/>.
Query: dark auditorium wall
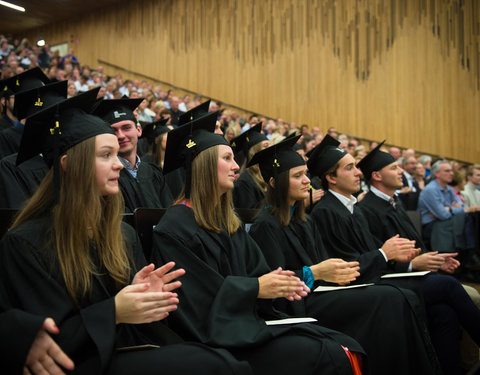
<point x="406" y="71"/>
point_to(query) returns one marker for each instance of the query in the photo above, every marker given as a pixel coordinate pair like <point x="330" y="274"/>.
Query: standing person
<point x="142" y="184"/>
<point x="227" y="291"/>
<point x="377" y="316"/>
<point x="85" y="267"/>
<point x="249" y="190"/>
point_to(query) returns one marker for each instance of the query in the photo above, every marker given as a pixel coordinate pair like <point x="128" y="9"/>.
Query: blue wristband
<point x="308" y="277"/>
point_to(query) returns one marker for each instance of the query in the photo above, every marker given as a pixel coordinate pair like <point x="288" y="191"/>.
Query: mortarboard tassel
<point x="55" y="131"/>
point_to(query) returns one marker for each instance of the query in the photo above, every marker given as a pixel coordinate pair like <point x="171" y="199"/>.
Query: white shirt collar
<point x="347" y="202"/>
<point x="380" y="194"/>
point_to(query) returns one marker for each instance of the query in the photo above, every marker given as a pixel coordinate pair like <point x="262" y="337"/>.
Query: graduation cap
<point x="30" y="79"/>
<point x="60" y="127"/>
<point x="116" y="110"/>
<point x="154" y="129"/>
<point x="195" y="113"/>
<point x="277" y="158"/>
<point x="186" y="142"/>
<point x="27" y="103"/>
<point x="324" y="156"/>
<point x="248" y="139"/>
<point x="374" y="161"/>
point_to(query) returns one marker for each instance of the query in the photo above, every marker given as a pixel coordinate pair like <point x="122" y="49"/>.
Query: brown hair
<point x="211" y="210"/>
<point x="280" y="207"/>
<point x="471" y="168"/>
<point x="74" y="228"/>
<point x="331" y="172"/>
<point x="254" y="170"/>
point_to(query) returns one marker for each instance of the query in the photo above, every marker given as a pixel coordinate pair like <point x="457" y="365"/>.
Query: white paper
<point x="404" y="274"/>
<point x="339" y="287"/>
<point x="290" y="321"/>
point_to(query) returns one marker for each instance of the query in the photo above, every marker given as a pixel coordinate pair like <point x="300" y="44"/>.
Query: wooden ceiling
<point x="42" y="12"/>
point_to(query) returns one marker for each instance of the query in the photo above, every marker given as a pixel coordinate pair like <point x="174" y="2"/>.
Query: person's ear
<point x="331" y="179"/>
<point x="63" y="162"/>
<point x="271" y="182"/>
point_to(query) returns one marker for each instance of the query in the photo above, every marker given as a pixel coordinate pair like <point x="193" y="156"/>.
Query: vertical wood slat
<point x="373" y="68"/>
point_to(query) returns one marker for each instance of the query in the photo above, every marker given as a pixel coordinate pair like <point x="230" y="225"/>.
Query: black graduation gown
<point x="343" y="236"/>
<point x="220" y="305"/>
<point x="377" y="316"/>
<point x="5" y="123"/>
<point x="176" y="181"/>
<point x="148" y="190"/>
<point x="246" y="193"/>
<point x="10" y="140"/>
<point x="31" y="280"/>
<point x="19" y="183"/>
<point x="393" y="221"/>
<point x="20" y="328"/>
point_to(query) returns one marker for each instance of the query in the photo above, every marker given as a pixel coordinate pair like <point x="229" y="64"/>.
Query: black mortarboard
<point x="195" y="113"/>
<point x="154" y="129"/>
<point x="27" y="103"/>
<point x="56" y="129"/>
<point x="248" y="139"/>
<point x="324" y="156"/>
<point x="186" y="142"/>
<point x="277" y="158"/>
<point x="374" y="161"/>
<point x="29" y="79"/>
<point x="116" y="110"/>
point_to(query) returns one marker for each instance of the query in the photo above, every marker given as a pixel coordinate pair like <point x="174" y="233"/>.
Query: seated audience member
<point x="381" y="206"/>
<point x="395" y="152"/>
<point x="471" y="194"/>
<point x="142" y="183"/>
<point x="11" y="135"/>
<point x="156" y="136"/>
<point x="174" y="110"/>
<point x="86" y="269"/>
<point x="19" y="182"/>
<point x="419" y="176"/>
<point x="443" y="213"/>
<point x="227" y="291"/>
<point x="410" y="190"/>
<point x="458" y="184"/>
<point x="289" y="239"/>
<point x="249" y="190"/>
<point x="426" y="161"/>
<point x="347" y="235"/>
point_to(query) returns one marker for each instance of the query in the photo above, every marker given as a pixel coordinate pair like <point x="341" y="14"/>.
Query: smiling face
<point x="226" y="168"/>
<point x="298" y="183"/>
<point x="107" y="165"/>
<point x="127" y="134"/>
<point x="347" y="179"/>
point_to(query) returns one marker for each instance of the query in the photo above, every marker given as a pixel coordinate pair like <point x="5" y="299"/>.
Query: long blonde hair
<point x="211" y="210"/>
<point x="81" y="217"/>
<point x="254" y="170"/>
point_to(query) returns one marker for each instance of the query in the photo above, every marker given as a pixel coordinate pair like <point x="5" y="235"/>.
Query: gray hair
<point x="436" y="165"/>
<point x="424" y="159"/>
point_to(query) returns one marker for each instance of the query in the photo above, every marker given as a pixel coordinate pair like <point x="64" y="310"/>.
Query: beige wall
<point x="370" y="68"/>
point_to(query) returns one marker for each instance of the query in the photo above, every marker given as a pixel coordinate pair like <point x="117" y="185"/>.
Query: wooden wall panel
<point x="403" y="70"/>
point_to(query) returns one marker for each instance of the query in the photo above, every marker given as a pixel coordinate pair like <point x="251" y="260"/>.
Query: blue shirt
<point x="128" y="166"/>
<point x="433" y="200"/>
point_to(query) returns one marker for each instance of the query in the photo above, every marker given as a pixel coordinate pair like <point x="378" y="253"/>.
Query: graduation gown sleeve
<point x="344" y="237"/>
